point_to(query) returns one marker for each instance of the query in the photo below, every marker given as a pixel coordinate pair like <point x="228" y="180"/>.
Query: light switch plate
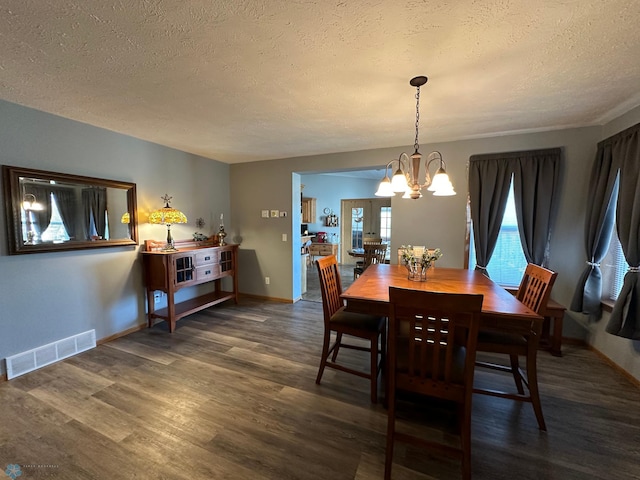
<point x="265" y="213"/>
<point x="275" y="213"/>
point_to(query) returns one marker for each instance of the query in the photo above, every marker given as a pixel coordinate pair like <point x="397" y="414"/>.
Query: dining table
<point x="369" y="293"/>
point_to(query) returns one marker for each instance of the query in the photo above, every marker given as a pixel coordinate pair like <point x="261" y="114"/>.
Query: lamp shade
<point x="385" y="189"/>
<point x="399" y="181"/>
<point x="125" y="218"/>
<point x="441" y="185"/>
<point x="167" y="216"/>
<point x="29" y="203"/>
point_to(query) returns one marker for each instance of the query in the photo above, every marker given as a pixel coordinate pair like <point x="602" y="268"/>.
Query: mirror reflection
<point x="52" y="211"/>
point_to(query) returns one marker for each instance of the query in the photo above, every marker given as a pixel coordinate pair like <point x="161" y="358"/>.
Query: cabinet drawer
<point x="206" y="273"/>
<point x="206" y="257"/>
<point x="322" y="249"/>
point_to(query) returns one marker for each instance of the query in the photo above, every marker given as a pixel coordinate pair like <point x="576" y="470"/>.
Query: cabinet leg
<point x="150" y="307"/>
<point x="556" y="340"/>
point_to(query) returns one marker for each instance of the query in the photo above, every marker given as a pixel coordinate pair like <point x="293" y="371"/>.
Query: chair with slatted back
<point x="373" y="253"/>
<point x="521" y="338"/>
<point x="366" y="241"/>
<point x="432" y="349"/>
<point x="336" y="319"/>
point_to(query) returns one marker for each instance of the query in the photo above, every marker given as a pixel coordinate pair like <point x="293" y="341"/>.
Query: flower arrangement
<point x="418" y="260"/>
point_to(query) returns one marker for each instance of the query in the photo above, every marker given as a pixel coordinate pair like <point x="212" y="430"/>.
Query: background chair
<point x="373" y="253"/>
<point x="520" y="339"/>
<point x="432" y="349"/>
<point x="305" y="251"/>
<point x="336" y="319"/>
<point x="365" y="241"/>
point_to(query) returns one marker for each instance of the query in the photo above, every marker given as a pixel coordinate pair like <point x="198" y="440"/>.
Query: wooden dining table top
<point x="369" y="293"/>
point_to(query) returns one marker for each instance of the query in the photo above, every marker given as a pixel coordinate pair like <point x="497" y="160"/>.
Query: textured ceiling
<point x="244" y="80"/>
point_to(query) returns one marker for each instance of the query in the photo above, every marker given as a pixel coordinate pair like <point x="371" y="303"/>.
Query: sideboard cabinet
<point x="322" y="250"/>
<point x="191" y="264"/>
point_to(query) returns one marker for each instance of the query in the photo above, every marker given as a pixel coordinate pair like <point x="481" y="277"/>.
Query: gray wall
<point x="45" y="297"/>
<point x="429" y="220"/>
<point x="48" y="296"/>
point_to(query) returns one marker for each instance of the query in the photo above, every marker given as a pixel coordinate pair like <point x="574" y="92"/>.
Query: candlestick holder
<point x="221" y="235"/>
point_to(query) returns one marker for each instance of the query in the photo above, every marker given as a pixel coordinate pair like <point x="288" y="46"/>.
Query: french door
<point x="364" y="218"/>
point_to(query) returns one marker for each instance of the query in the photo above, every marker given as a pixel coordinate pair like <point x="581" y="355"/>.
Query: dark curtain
<point x="43" y="197"/>
<point x="535" y="182"/>
<point x="625" y="147"/>
<point x="489" y="180"/>
<point x="94" y="204"/>
<point x="598" y="228"/>
<point x="66" y="202"/>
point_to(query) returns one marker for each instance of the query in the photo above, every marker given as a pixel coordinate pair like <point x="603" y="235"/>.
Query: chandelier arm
<point x="430" y="159"/>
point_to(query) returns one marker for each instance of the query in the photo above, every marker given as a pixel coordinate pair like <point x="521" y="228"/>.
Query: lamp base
<point x="221" y="236"/>
<point x="169" y="246"/>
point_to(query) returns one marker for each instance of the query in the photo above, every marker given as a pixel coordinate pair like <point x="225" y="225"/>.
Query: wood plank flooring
<point x="232" y="395"/>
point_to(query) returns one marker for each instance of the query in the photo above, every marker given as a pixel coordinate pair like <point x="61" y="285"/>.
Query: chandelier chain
<point x="415" y="143"/>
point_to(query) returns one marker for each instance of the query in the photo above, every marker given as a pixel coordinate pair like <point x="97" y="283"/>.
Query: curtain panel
<point x="625" y="150"/>
<point x="43" y="196"/>
<point x="535" y="183"/>
<point x="489" y="180"/>
<point x="598" y="227"/>
<point x="94" y="204"/>
<point x="536" y="176"/>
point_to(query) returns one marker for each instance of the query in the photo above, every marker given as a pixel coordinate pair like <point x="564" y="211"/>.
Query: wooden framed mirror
<point x="49" y="212"/>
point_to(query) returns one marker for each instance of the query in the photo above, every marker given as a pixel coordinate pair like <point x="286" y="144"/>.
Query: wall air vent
<point x="31" y="360"/>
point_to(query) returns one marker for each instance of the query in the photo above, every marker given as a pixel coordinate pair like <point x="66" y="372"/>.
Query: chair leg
<point x="338" y="343"/>
<point x="532" y="378"/>
<point x="515" y="370"/>
<point x="383" y="367"/>
<point x="325" y="354"/>
<point x="391" y="420"/>
<point x="465" y="444"/>
<point x="374" y="370"/>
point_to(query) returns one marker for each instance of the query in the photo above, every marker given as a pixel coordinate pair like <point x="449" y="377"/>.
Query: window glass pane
<point x="356" y="227"/>
<point x="508" y="262"/>
<point x="613" y="266"/>
<point x="385" y="229"/>
<point x="55" y="232"/>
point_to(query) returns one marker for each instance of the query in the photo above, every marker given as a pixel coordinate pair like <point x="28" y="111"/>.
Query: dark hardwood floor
<point x="232" y="395"/>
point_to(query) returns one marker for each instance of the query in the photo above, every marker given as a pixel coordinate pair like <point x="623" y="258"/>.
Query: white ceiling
<point x="244" y="80"/>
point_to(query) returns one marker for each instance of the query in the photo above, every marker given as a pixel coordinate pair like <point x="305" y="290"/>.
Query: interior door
<point x="364" y="218"/>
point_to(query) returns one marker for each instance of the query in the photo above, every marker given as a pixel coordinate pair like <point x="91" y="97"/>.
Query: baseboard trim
<point x="121" y="334"/>
<point x="262" y="297"/>
<point x="615" y="366"/>
<point x="574" y="341"/>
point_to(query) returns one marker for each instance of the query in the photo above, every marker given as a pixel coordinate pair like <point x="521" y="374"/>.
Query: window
<point x="508" y="262"/>
<point x="614" y="267"/>
<point x="385" y="229"/>
<point x="55" y="232"/>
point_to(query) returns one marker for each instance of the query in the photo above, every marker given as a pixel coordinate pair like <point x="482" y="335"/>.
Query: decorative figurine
<point x="221" y="233"/>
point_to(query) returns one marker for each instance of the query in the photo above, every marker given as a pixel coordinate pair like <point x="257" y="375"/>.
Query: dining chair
<point x="432" y="349"/>
<point x="520" y="338"/>
<point x="373" y="253"/>
<point x="336" y="319"/>
<point x="305" y="251"/>
<point x="367" y="241"/>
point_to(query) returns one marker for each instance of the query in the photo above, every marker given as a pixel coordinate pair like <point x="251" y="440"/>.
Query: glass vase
<point x="417" y="271"/>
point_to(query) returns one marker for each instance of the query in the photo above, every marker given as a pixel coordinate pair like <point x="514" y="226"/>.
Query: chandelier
<point x="406" y="177"/>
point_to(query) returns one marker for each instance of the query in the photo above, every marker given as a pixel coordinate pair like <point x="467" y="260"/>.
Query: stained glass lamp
<point x="167" y="216"/>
